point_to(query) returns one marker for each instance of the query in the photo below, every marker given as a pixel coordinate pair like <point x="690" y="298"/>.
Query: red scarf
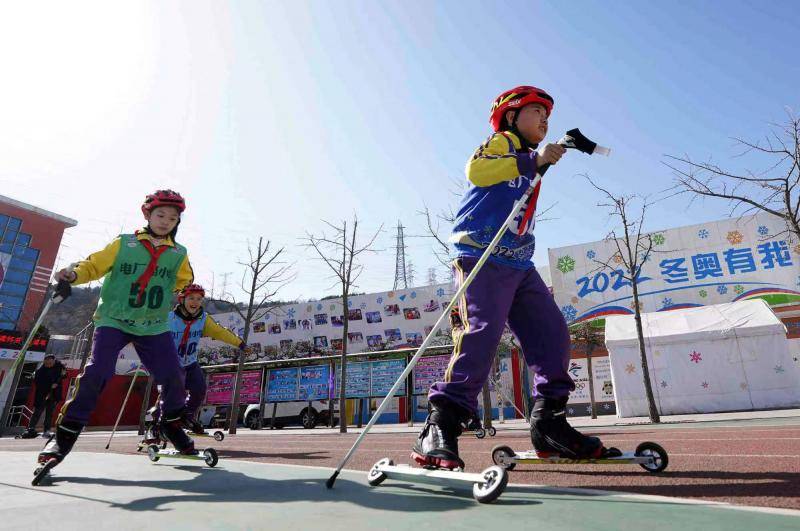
<point x="155" y="254"/>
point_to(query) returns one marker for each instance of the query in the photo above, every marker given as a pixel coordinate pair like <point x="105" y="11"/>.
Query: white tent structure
<point x="726" y="357"/>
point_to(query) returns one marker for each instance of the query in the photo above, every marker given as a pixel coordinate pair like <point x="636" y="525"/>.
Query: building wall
<point x="29" y="242"/>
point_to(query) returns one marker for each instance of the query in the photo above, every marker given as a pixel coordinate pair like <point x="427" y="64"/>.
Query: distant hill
<point x="73" y="314"/>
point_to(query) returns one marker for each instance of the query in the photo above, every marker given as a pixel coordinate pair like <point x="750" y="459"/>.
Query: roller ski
<point x="436" y="450"/>
<point x="173" y="430"/>
<point x="476" y="427"/>
<point x="556" y="442"/>
<point x="56" y="449"/>
<point x="195" y="429"/>
<point x="27" y="434"/>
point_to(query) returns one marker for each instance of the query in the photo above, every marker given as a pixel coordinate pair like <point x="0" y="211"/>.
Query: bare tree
<point x="263" y="276"/>
<point x="773" y="190"/>
<point x="634" y="248"/>
<point x="340" y="252"/>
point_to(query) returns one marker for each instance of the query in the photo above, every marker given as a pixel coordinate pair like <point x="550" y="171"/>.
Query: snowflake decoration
<point x="589" y="409"/>
<point x="722" y="290"/>
<point x="440" y="292"/>
<point x="630" y="368"/>
<point x="705" y="385"/>
<point x="743" y="386"/>
<point x="779" y="369"/>
<point x="565" y="264"/>
<point x="703" y="293"/>
<point x="663" y="384"/>
<point x="763" y="230"/>
<point x="569" y="312"/>
<point x="702" y="234"/>
<point x="617" y="258"/>
<point x="379" y="300"/>
<point x="606" y="406"/>
<point x="667" y="302"/>
<point x="695" y="357"/>
<point x="290" y="313"/>
<point x="413" y="294"/>
<point x="590" y="254"/>
<point x="735" y="237"/>
<point x="738" y="289"/>
<point x="570" y="411"/>
<point x="659" y="239"/>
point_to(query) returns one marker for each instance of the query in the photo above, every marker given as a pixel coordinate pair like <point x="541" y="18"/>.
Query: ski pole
<point x="573" y="139"/>
<point x="62" y="291"/>
<point x="124" y="402"/>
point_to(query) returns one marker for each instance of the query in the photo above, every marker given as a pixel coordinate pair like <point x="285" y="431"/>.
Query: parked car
<point x="305" y="414"/>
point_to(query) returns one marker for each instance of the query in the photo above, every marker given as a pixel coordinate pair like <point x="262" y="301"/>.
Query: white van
<point x="305" y="414"/>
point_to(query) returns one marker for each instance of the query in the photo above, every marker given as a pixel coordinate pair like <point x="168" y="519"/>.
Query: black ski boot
<point x="172" y="428"/>
<point x="191" y="424"/>
<point x="61" y="442"/>
<point x="437" y="444"/>
<point x="30" y="433"/>
<point x="552" y="435"/>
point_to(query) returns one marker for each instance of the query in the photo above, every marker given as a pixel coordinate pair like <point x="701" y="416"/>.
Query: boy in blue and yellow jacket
<point x="507" y="289"/>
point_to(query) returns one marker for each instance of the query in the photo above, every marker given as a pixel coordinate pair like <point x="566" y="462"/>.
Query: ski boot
<point x="152" y="434"/>
<point x="30" y="433"/>
<point x="56" y="449"/>
<point x="552" y="435"/>
<point x="172" y="428"/>
<point x="191" y="424"/>
<point x="437" y="444"/>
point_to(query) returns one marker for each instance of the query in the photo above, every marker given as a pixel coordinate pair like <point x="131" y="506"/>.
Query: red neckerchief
<point x="532" y="204"/>
<point x="155" y="254"/>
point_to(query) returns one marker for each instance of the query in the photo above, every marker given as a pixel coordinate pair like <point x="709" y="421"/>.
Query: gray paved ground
<point x="113" y="491"/>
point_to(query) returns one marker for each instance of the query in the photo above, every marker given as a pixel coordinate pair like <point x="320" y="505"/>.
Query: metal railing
<point x="17" y="414"/>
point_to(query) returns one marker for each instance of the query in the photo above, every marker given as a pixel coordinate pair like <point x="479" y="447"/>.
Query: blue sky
<point x="271" y="116"/>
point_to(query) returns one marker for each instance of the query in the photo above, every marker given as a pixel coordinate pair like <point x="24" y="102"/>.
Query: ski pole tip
<point x="332" y="480"/>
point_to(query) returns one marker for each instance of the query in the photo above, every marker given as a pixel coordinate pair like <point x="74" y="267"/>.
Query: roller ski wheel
<point x="43" y="470"/>
<point x="495" y="482"/>
<point x="375" y="476"/>
<point x="491" y="431"/>
<point x="219" y="436"/>
<point x="152" y="453"/>
<point x="480" y="433"/>
<point x="657" y="453"/>
<point x="210" y="457"/>
<point x="503" y="456"/>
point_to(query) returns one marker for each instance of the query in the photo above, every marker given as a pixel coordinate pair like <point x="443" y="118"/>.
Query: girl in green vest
<point x="140" y="272"/>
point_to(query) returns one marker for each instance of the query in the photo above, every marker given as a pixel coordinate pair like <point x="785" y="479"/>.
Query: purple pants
<point x="196" y="387"/>
<point x="497" y="295"/>
<point x="158" y="354"/>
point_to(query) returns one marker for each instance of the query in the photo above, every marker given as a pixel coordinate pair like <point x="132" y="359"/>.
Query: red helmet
<point x="191" y="288"/>
<point x="161" y="198"/>
<point x="518" y="98"/>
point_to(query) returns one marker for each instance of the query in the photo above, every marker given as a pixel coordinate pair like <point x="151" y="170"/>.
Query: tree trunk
<point x="589" y="350"/>
<point x="648" y="388"/>
<point x="343" y="386"/>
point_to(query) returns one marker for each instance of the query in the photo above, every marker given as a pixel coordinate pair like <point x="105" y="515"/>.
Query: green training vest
<point x="119" y="307"/>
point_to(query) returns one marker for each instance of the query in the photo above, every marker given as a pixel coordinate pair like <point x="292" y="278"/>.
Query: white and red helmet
<point x="191" y="288"/>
